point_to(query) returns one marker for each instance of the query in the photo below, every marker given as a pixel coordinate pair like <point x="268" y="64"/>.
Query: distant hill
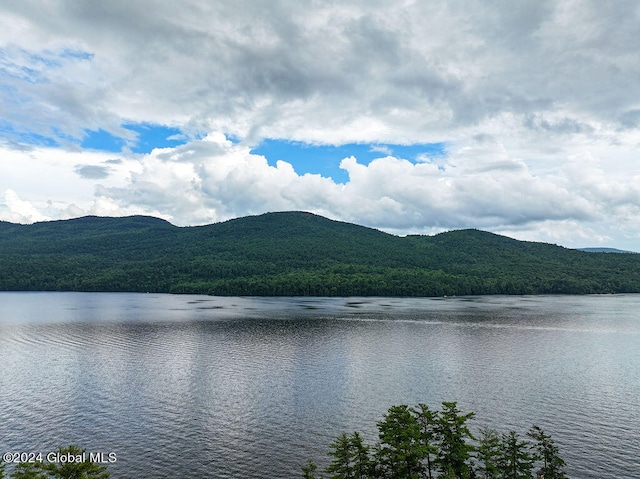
<point x="294" y="253"/>
<point x="605" y="250"/>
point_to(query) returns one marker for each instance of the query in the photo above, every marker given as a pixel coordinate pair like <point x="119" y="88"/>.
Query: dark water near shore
<point x="196" y="386"/>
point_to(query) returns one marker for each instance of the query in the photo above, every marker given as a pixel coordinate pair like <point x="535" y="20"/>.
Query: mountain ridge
<point x="294" y="253"/>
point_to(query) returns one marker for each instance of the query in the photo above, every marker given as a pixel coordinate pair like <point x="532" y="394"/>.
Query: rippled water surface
<point x="197" y="386"/>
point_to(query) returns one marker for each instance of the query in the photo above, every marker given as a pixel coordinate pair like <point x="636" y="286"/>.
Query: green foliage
<point x="28" y="470"/>
<point x="309" y="470"/>
<point x="487" y="454"/>
<point x="454" y="449"/>
<point x="548" y="453"/>
<point x="74" y="465"/>
<point x="76" y="470"/>
<point x="428" y="422"/>
<point x="514" y="460"/>
<point x="422" y="443"/>
<point x="350" y="458"/>
<point x="294" y="254"/>
<point x="400" y="450"/>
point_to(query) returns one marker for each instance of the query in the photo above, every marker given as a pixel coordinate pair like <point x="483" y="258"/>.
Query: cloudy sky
<point x="517" y="117"/>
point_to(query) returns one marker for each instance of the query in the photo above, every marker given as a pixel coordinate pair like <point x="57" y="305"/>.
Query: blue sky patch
<point x="103" y="141"/>
<point x="325" y="159"/>
<point x="150" y="136"/>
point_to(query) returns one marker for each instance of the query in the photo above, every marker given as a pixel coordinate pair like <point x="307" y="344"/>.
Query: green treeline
<point x="418" y="442"/>
<point x="294" y="254"/>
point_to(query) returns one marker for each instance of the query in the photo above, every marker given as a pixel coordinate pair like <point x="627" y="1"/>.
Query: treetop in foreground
<point x="418" y="442"/>
<point x="71" y="463"/>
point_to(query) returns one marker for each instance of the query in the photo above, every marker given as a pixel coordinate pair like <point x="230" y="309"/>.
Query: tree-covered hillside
<point x="294" y="253"/>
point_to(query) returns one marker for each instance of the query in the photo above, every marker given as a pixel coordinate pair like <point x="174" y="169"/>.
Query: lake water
<point x="198" y="386"/>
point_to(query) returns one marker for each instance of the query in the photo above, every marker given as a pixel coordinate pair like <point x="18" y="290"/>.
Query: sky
<point x="413" y="117"/>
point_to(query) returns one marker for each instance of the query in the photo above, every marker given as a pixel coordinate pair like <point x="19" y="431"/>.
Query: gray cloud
<point x="247" y="67"/>
<point x="92" y="172"/>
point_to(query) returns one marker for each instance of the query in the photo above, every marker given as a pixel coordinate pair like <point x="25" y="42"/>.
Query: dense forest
<point x="294" y="254"/>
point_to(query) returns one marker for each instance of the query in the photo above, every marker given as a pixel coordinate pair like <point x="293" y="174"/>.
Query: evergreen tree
<point x="309" y="471"/>
<point x="75" y="470"/>
<point x="428" y="419"/>
<point x="548" y="453"/>
<point x="350" y="458"/>
<point x="401" y="451"/>
<point x="453" y="440"/>
<point x="409" y="437"/>
<point x="28" y="470"/>
<point x="341" y="466"/>
<point x="362" y="461"/>
<point x="487" y="453"/>
<point x="514" y="462"/>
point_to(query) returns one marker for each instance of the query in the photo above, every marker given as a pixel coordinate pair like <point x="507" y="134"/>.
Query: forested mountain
<point x="294" y="253"/>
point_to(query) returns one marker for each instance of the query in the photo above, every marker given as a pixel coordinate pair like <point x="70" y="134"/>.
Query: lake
<point x="200" y="386"/>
